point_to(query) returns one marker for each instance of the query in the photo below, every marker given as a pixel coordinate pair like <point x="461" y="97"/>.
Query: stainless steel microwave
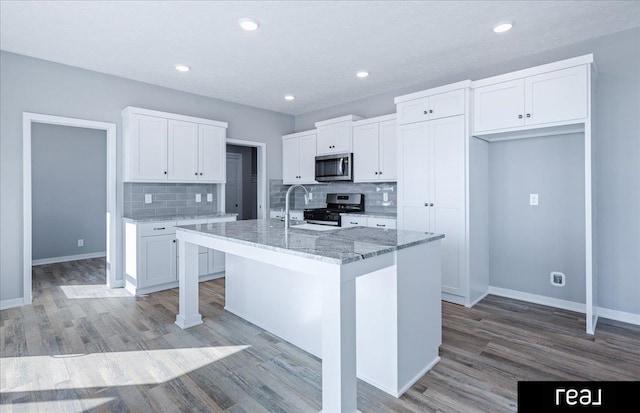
<point x="335" y="167"/>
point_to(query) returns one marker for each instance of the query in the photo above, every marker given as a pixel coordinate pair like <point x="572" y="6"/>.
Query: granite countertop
<point x="336" y="246"/>
<point x="180" y="217"/>
<point x="366" y="214"/>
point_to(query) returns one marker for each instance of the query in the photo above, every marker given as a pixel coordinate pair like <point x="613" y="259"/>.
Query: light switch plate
<point x="198" y="198"/>
<point x="533" y="199"/>
<point x="147" y="198"/>
<point x="209" y="197"/>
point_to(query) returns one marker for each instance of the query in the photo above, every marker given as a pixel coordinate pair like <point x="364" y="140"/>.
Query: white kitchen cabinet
<point x="352" y="220"/>
<point x="557" y="96"/>
<point x="383" y="223"/>
<point x="432" y="187"/>
<point x="374" y="150"/>
<point x="165" y="147"/>
<point x="417" y="107"/>
<point x="299" y="157"/>
<point x="146" y="153"/>
<point x="335" y="135"/>
<point x="151" y="255"/>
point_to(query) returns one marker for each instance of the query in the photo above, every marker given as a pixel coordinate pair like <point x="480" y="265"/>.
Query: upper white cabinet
<point x="165" y="147"/>
<point x="298" y="158"/>
<point x="417" y="108"/>
<point x="335" y="135"/>
<point x="549" y="98"/>
<point x="374" y="150"/>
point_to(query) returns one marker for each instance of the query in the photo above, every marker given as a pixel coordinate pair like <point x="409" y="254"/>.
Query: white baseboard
<point x="601" y="312"/>
<point x="14" y="302"/>
<point x="418" y="376"/>
<point x="54" y="260"/>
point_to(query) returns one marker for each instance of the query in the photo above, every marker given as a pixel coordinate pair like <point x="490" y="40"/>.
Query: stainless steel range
<point x="336" y="204"/>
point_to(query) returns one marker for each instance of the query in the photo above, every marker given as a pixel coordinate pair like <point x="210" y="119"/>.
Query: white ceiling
<point x="310" y="49"/>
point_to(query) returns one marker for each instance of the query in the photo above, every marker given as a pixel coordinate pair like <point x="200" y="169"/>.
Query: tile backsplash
<point x="167" y="199"/>
<point x="373" y="195"/>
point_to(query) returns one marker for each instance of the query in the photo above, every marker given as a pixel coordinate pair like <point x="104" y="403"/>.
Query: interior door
<point x="233" y="187"/>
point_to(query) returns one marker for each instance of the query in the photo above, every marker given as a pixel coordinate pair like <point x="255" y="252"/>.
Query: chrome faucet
<point x="286" y="202"/>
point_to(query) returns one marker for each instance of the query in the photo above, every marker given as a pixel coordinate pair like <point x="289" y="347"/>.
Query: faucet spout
<point x="286" y="202"/>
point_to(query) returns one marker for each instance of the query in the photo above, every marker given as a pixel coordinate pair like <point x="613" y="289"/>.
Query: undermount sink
<point x="315" y="227"/>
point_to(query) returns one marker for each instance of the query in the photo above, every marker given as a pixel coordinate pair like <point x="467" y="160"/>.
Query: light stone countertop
<point x="179" y="217"/>
<point x="338" y="246"/>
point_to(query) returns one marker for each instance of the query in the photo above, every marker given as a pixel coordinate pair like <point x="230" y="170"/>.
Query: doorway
<point x="246" y="184"/>
<point x="28" y="119"/>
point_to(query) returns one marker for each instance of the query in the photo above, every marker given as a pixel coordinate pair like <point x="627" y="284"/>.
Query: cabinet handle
<point x="159" y="228"/>
<point x="519" y="116"/>
<point x="380" y="225"/>
<point x="528" y="115"/>
<point x="353" y="223"/>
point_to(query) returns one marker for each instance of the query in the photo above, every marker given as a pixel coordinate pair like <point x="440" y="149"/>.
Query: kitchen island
<point x="365" y="300"/>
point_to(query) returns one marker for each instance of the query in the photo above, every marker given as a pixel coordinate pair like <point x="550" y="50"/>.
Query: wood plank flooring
<point x="82" y="347"/>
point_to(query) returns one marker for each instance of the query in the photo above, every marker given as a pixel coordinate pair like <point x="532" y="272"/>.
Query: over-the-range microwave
<point x="334" y="167"/>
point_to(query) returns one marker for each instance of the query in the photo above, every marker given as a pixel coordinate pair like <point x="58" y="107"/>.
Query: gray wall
<point x="527" y="243"/>
<point x="249" y="183"/>
<point x="168" y="199"/>
<point x="32" y="85"/>
<point x="617" y="167"/>
<point x="69" y="190"/>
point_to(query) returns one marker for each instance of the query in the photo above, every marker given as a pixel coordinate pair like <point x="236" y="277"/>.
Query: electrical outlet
<point x="385" y="197"/>
<point x="310" y="196"/>
<point x="557" y="279"/>
<point x="80" y="243"/>
<point x="533" y="199"/>
<point x="209" y="197"/>
<point x="198" y="197"/>
<point x="147" y="198"/>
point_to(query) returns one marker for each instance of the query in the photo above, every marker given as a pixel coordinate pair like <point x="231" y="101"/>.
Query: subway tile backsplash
<point x="373" y="195"/>
<point x="167" y="199"/>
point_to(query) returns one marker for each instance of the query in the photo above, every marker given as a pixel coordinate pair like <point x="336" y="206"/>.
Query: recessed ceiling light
<point x="249" y="24"/>
<point x="182" y="68"/>
<point x="362" y="74"/>
<point x="502" y="27"/>
<point x="289" y="97"/>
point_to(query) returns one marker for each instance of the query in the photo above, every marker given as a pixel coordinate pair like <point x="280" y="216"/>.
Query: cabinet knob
<point x="165" y="172"/>
<point x="380" y="172"/>
<point x="430" y="204"/>
<point x="200" y="173"/>
<point x="196" y="174"/>
<point x="174" y="241"/>
<point x="376" y="173"/>
<point x="430" y="110"/>
<point x="426" y="204"/>
<point x="528" y="115"/>
<point x="519" y="116"/>
<point x="426" y="112"/>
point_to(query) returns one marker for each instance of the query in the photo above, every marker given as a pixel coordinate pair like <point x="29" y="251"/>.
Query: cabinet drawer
<point x="157" y="228"/>
<point x="386" y="223"/>
<point x="348" y="221"/>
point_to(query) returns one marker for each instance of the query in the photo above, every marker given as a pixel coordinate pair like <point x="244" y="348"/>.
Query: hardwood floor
<point x="83" y="347"/>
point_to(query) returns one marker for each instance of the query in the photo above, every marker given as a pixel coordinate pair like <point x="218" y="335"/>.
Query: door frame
<point x="111" y="217"/>
<point x="261" y="179"/>
<point x="240" y="189"/>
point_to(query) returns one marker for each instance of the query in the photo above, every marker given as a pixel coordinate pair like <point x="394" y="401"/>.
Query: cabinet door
<point x="446" y="104"/>
<point x="366" y="165"/>
<point x="498" y="106"/>
<point x="556" y="96"/>
<point x="148" y="148"/>
<point x="216" y="261"/>
<point x="324" y="140"/>
<point x="387" y="153"/>
<point x="447" y="193"/>
<point x="342" y="137"/>
<point x="307" y="159"/>
<point x="158" y="260"/>
<point x="348" y="220"/>
<point x="183" y="151"/>
<point x="290" y="160"/>
<point x="382" y="223"/>
<point x="413" y="183"/>
<point x="212" y="153"/>
<point x="416" y="110"/>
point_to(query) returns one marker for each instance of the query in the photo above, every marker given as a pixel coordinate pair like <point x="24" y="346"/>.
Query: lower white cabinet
<point x="151" y="255"/>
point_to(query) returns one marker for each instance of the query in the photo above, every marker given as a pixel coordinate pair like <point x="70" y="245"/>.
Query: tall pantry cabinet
<point x="433" y="181"/>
